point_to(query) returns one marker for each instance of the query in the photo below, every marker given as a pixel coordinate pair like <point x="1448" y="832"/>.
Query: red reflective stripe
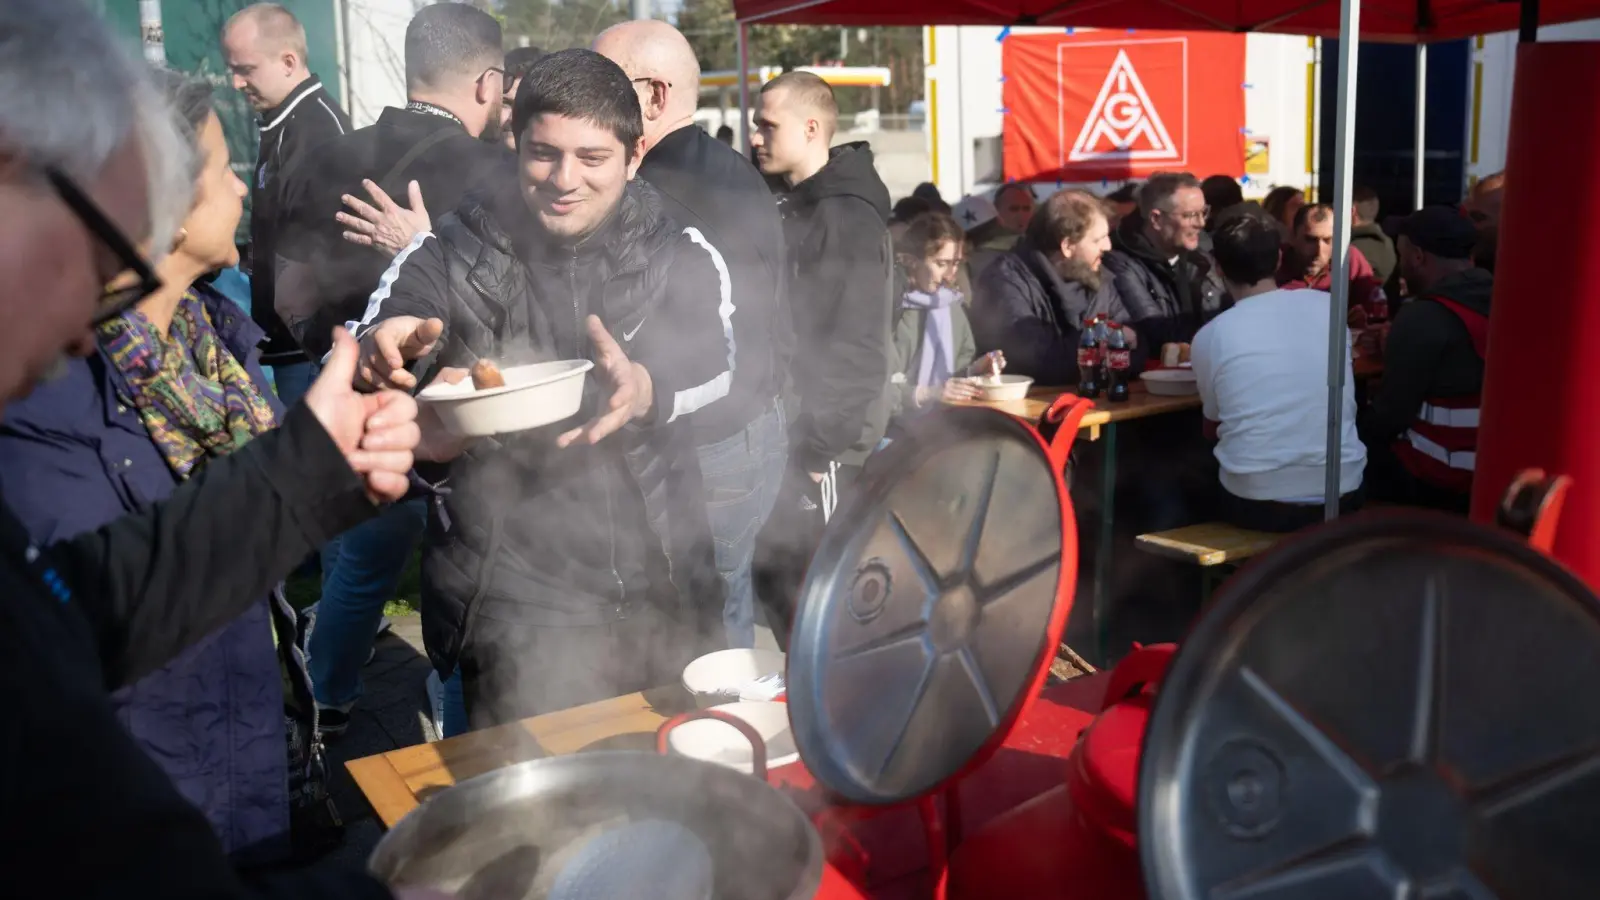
<point x="1477" y="323"/>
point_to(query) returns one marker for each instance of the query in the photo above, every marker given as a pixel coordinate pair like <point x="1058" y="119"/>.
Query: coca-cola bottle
<point x="1117" y="362"/>
<point x="1089" y="361"/>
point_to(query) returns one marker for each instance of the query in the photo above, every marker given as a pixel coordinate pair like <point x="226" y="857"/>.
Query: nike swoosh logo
<point x="628" y="335"/>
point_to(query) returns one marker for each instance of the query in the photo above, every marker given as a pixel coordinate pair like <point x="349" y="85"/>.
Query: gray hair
<point x="1158" y="190"/>
<point x="189" y="100"/>
<point x="60" y="68"/>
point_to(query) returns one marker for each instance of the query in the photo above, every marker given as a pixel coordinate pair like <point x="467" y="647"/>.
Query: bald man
<point x="835" y="218"/>
<point x="265" y="48"/>
<point x="1483" y="208"/>
<point x="713" y="192"/>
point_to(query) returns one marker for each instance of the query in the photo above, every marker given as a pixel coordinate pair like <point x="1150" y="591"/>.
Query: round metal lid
<point x="932" y="607"/>
<point x="1397" y="705"/>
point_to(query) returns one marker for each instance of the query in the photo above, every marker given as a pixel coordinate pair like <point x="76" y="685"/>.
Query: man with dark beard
<point x="453" y="80"/>
<point x="1033" y="299"/>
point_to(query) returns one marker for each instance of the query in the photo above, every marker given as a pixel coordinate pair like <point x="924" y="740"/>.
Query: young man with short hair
<point x="1262" y="369"/>
<point x="1308" y="260"/>
<point x="835" y="216"/>
<point x="1367" y="236"/>
<point x="570" y="563"/>
<point x="265" y="49"/>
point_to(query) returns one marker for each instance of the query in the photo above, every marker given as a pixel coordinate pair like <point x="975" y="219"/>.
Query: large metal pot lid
<point x="932" y="607"/>
<point x="1398" y="705"/>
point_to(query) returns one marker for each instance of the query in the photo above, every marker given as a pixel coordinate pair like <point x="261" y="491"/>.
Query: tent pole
<point x="1422" y="124"/>
<point x="1528" y="22"/>
<point x="1344" y="141"/>
<point x="744" y="88"/>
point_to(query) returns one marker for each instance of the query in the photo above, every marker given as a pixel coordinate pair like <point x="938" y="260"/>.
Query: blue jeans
<point x="360" y="571"/>
<point x="742" y="476"/>
<point x="292" y="381"/>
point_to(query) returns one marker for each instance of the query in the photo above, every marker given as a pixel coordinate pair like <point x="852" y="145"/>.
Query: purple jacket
<point x="75" y="455"/>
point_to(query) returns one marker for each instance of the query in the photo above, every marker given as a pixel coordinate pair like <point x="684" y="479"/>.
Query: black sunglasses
<point x="114" y="301"/>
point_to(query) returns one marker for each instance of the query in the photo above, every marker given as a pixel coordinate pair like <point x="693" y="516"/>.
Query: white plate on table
<point x="534" y="395"/>
<point x="1171" y="382"/>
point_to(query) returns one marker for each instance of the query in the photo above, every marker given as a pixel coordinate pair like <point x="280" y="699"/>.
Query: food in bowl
<point x="486" y="375"/>
<point x="1001" y="387"/>
<point x="1174" y="355"/>
<point x="532" y="396"/>
<point x="1171" y="382"/>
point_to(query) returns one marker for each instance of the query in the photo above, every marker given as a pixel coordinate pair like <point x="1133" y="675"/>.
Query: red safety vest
<point x="1441" y="446"/>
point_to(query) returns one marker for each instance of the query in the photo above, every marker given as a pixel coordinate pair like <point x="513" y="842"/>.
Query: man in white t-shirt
<point x="1262" y="369"/>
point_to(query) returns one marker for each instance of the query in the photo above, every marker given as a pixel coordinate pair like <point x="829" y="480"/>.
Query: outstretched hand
<point x="385" y="226"/>
<point x="391" y="344"/>
<point x="377" y="433"/>
<point x="632" y="391"/>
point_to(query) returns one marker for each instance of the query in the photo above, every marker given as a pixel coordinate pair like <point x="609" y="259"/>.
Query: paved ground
<point x="393" y="713"/>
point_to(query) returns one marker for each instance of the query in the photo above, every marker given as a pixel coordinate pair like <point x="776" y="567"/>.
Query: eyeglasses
<point x="1196" y="217"/>
<point x="114" y="300"/>
<point x="650" y="80"/>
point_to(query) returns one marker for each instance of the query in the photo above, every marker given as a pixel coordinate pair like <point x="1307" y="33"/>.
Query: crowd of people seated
<point x="1177" y="260"/>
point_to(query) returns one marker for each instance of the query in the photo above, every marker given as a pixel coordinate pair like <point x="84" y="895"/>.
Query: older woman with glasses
<point x="177" y="382"/>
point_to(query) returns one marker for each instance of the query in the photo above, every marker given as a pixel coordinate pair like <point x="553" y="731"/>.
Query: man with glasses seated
<point x="431" y="149"/>
<point x="1168" y="285"/>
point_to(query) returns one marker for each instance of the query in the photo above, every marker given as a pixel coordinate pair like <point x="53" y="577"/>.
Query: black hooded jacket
<point x="841" y="294"/>
<point x="706" y="185"/>
<point x="1029" y="312"/>
<point x="1167" y="301"/>
<point x="585" y="535"/>
<point x="290" y="133"/>
<point x="1429" y="353"/>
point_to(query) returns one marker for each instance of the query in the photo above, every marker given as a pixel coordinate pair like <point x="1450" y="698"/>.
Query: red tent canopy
<point x="1399" y="21"/>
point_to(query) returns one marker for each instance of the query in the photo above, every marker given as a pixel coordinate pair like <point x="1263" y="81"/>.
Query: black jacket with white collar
<point x="309" y="117"/>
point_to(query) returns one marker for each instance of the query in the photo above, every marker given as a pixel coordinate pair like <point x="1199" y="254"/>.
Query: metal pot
<point x="511" y="833"/>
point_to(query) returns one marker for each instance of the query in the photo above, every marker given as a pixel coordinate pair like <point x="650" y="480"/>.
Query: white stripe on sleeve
<point x="688" y="400"/>
<point x="385" y="285"/>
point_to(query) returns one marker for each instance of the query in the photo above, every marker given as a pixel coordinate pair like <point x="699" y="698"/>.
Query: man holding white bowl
<point x="574" y="562"/>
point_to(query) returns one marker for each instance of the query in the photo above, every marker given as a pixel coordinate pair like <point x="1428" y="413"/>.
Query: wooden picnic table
<point x="396" y="782"/>
<point x="1140" y="404"/>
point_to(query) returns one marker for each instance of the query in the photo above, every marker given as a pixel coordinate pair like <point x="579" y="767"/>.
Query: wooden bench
<point x="1208" y="544"/>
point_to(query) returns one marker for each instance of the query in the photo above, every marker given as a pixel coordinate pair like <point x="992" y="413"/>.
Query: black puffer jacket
<point x="1026" y="310"/>
<point x="586" y="535"/>
<point x="841" y="293"/>
<point x="1167" y="302"/>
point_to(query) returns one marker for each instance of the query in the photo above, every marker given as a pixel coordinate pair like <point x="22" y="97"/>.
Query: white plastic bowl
<point x="1010" y="387"/>
<point x="534" y="395"/>
<point x="718" y="742"/>
<point x="719" y="677"/>
<point x="1171" y="382"/>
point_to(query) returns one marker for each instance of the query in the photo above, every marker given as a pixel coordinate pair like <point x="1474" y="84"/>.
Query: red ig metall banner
<point x="1113" y="105"/>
